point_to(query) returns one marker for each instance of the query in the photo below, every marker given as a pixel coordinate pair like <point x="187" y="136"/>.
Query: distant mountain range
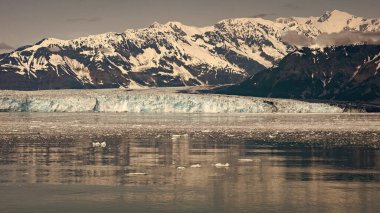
<point x="345" y="73"/>
<point x="172" y="54"/>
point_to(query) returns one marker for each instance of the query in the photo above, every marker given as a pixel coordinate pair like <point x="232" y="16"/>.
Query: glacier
<point x="154" y="100"/>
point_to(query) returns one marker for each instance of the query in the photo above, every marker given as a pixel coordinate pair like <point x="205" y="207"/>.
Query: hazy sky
<point x="28" y="21"/>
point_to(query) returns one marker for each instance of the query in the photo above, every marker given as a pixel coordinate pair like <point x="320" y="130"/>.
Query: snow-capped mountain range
<point x="170" y="54"/>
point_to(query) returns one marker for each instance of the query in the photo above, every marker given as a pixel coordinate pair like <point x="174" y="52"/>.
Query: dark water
<point x="138" y="171"/>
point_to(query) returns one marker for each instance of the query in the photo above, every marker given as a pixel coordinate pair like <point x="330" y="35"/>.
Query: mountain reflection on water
<point x="139" y="172"/>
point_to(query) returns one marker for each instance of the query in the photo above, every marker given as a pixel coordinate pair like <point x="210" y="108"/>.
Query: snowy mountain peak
<point x="46" y="42"/>
<point x="246" y="21"/>
<point x="189" y="30"/>
<point x="155" y="25"/>
<point x="335" y="15"/>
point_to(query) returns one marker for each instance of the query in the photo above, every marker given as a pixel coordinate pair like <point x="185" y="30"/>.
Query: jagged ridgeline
<point x="171" y="54"/>
<point x="347" y="73"/>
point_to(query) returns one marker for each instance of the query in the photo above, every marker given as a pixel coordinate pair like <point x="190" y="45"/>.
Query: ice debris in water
<point x="245" y="160"/>
<point x="136" y="173"/>
<point x="175" y="137"/>
<point x="195" y="166"/>
<point x="98" y="144"/>
<point x="221" y="165"/>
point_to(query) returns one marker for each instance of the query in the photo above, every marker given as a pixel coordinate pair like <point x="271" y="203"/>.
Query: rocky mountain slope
<point x="171" y="54"/>
<point x="347" y="73"/>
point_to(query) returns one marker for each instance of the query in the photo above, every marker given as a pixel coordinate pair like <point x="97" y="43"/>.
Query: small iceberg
<point x="98" y="144"/>
<point x="95" y="144"/>
<point x="136" y="173"/>
<point x="221" y="165"/>
<point x="175" y="137"/>
<point x="242" y="160"/>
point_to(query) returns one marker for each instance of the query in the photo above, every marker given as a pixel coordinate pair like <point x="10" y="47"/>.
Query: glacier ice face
<point x="168" y="100"/>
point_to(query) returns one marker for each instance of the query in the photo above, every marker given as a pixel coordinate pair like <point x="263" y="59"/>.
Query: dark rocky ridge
<point x="344" y="73"/>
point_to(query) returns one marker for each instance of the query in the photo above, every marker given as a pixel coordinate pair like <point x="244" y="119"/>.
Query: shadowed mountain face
<point x="347" y="73"/>
<point x="165" y="55"/>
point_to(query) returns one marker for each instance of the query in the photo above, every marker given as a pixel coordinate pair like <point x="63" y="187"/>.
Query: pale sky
<point x="28" y="21"/>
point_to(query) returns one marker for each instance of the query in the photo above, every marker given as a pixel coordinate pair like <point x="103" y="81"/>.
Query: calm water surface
<point x="48" y="163"/>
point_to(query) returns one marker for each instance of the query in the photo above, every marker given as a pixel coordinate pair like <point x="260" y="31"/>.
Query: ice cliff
<point x="168" y="100"/>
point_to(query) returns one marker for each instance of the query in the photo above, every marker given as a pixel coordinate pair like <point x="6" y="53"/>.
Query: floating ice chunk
<point x="98" y="144"/>
<point x="195" y="166"/>
<point x="245" y="160"/>
<point x="95" y="144"/>
<point x="221" y="165"/>
<point x="175" y="137"/>
<point x="136" y="173"/>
